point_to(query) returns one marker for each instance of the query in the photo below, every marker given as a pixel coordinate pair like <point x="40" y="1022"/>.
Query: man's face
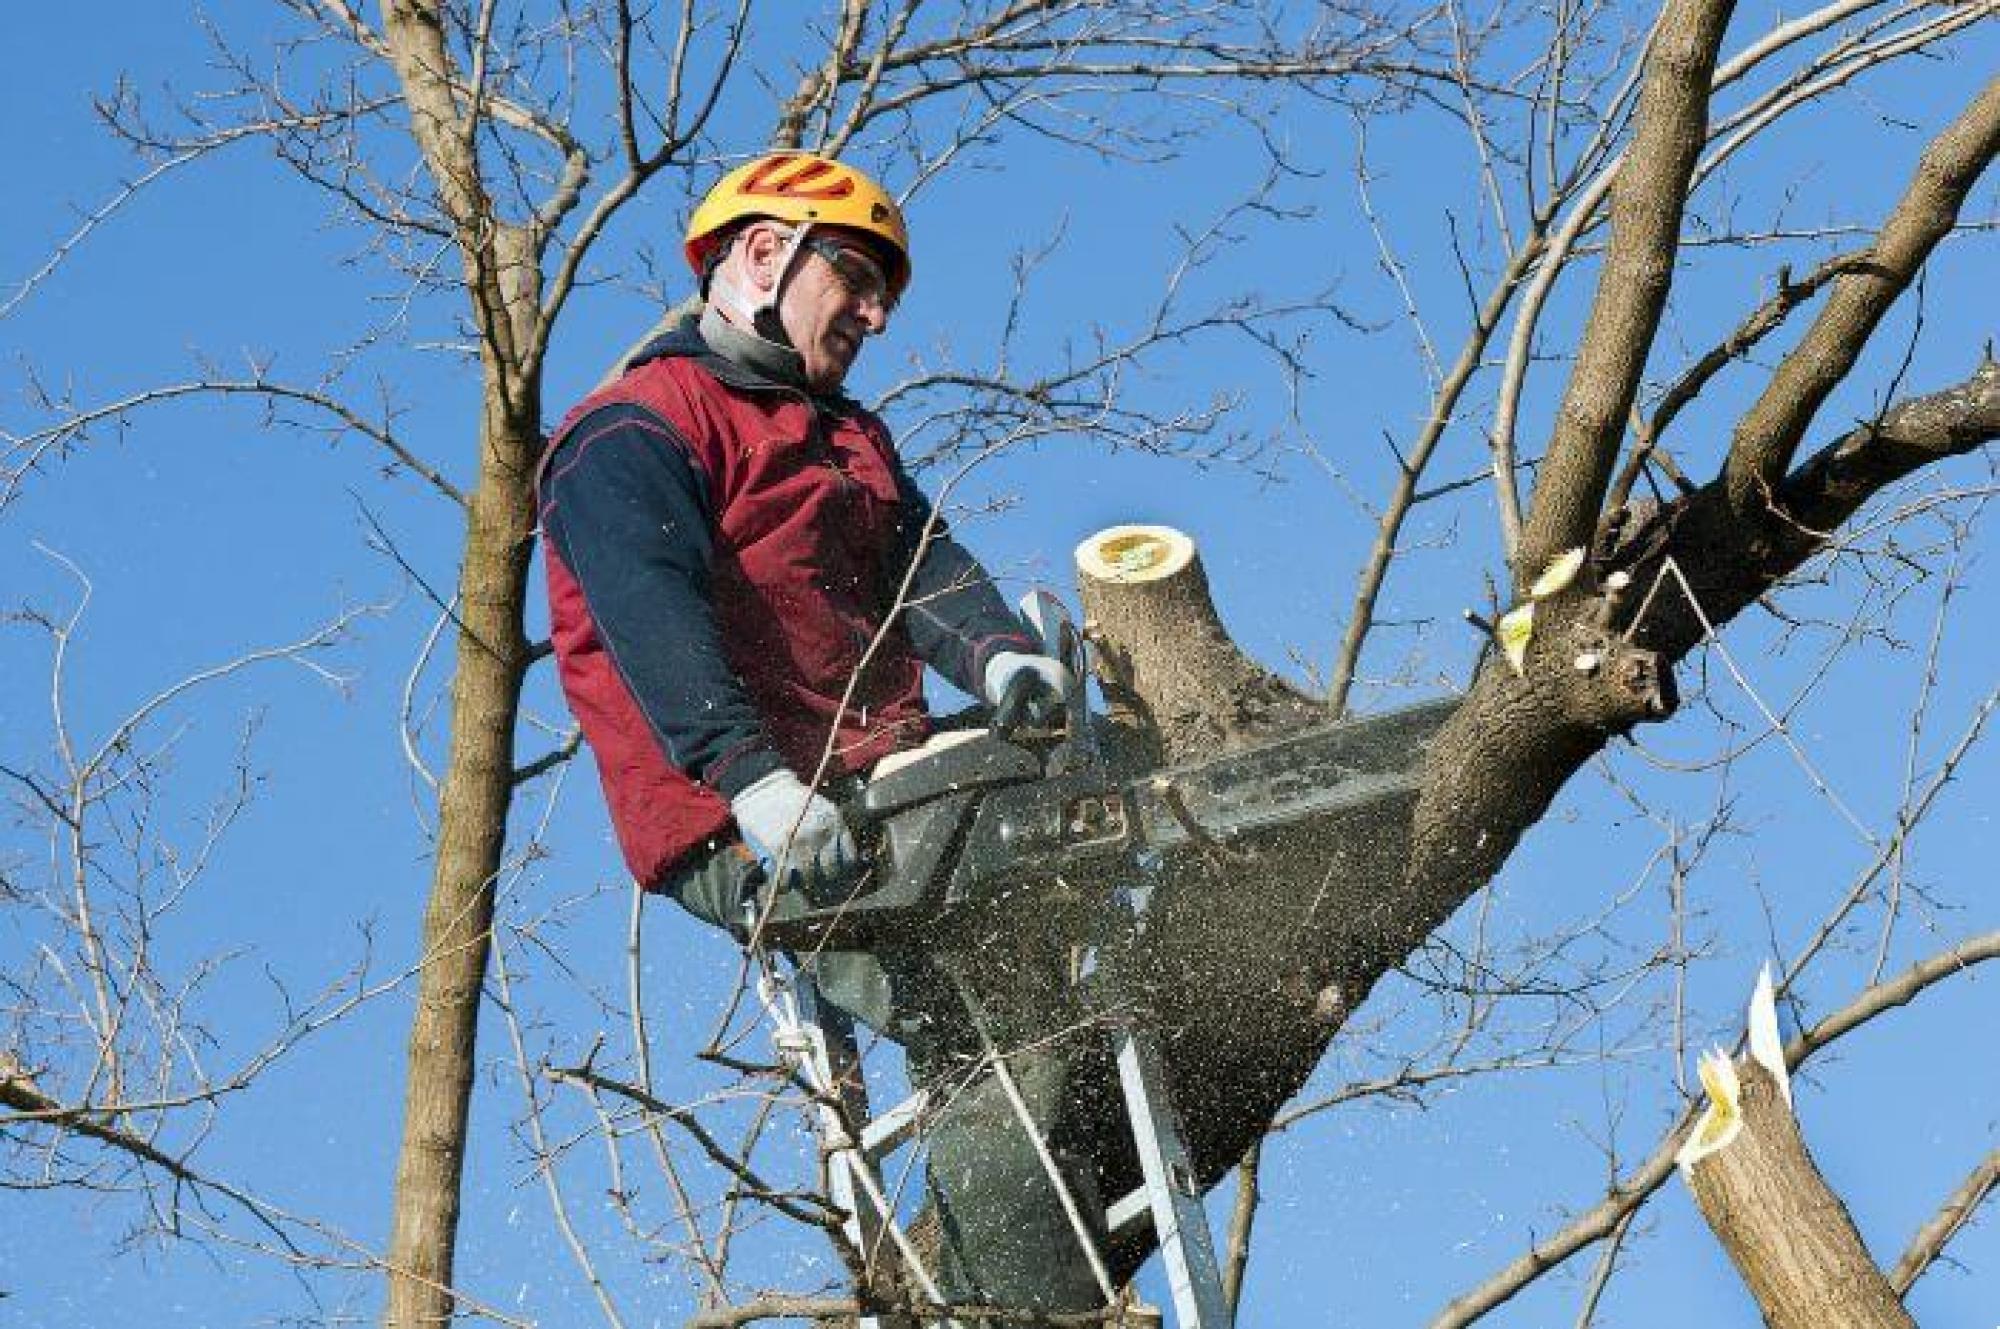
<point x="837" y="296"/>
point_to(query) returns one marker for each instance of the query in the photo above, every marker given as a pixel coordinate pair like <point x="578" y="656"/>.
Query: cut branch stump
<point x="1241" y="941"/>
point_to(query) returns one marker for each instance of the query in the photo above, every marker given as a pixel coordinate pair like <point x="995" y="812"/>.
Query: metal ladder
<point x="817" y="1040"/>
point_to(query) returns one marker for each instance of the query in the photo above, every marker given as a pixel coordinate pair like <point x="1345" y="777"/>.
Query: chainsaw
<point x="1029" y="813"/>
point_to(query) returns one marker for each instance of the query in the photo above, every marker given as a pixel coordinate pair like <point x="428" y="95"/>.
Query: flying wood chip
<point x="1724" y="1116"/>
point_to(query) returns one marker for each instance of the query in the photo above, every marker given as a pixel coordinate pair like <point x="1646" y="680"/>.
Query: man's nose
<point x="873" y="316"/>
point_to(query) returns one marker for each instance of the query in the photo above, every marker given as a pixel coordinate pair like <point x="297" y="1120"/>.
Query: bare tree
<point x="110" y="1073"/>
<point x="536" y="131"/>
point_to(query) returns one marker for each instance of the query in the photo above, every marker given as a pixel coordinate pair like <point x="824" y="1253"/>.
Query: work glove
<point x="794" y="832"/>
<point x="1046" y="679"/>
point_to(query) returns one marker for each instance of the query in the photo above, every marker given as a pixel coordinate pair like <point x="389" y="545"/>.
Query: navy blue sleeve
<point x="629" y="514"/>
<point x="955" y="617"/>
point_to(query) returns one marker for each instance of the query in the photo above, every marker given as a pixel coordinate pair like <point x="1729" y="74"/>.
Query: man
<point x="727" y="536"/>
<point x="745" y="586"/>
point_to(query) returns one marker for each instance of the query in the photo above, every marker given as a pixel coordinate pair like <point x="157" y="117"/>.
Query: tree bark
<point x="1784" y="1229"/>
<point x="457" y="926"/>
<point x="1172" y="676"/>
<point x="503" y="281"/>
<point x="1646" y="208"/>
<point x="1768" y="435"/>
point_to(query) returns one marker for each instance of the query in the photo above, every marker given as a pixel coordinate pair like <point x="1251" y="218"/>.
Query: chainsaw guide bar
<point x="983" y="826"/>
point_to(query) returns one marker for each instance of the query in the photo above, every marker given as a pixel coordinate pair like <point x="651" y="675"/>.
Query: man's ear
<point x="761" y="246"/>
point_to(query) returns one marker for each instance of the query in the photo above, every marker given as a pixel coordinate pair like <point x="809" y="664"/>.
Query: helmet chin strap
<point x="762" y="317"/>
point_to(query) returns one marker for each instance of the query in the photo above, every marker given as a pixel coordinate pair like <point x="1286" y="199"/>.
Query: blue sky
<point x="205" y="533"/>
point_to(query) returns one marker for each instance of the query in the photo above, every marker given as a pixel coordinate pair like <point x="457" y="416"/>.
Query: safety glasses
<point x="861" y="275"/>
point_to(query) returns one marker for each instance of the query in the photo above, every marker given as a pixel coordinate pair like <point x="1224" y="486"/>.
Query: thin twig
<point x="1950" y="1220"/>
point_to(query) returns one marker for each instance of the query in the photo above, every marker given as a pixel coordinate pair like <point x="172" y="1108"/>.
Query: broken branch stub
<point x="1759" y="1190"/>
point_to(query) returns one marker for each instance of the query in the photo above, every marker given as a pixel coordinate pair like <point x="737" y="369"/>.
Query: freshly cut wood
<point x="1241" y="940"/>
<point x="1167" y="665"/>
<point x="1756" y="1184"/>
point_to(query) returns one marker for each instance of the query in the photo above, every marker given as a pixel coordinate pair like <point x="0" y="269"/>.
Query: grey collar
<point x="759" y="355"/>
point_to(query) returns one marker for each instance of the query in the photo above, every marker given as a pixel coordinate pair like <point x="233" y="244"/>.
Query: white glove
<point x="1004" y="668"/>
<point x="793" y="830"/>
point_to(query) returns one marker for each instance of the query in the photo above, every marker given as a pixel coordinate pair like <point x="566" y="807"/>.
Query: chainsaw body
<point x="997" y="822"/>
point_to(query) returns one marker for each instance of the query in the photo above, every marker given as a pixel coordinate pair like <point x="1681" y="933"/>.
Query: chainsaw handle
<point x="1025" y="700"/>
<point x="1056" y="632"/>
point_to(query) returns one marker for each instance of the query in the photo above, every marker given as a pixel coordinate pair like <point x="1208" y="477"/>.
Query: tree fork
<point x="1243" y="1037"/>
<point x="1502" y="758"/>
<point x="1259" y="956"/>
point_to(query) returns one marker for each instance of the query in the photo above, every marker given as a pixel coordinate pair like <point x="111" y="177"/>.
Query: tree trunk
<point x="503" y="280"/>
<point x="1785" y="1230"/>
<point x="1258" y="951"/>
<point x="1175" y="682"/>
<point x="1261" y="955"/>
<point x="457" y="928"/>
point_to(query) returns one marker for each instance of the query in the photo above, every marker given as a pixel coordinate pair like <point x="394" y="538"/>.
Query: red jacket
<point x="721" y="550"/>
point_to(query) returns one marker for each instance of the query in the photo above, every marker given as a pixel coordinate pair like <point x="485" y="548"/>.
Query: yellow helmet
<point x="805" y="188"/>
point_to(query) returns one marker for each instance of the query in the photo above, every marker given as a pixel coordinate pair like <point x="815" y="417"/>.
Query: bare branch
<point x="1762" y="322"/>
<point x="548" y="761"/>
<point x="26" y="1101"/>
<point x="792" y="1206"/>
<point x="125" y="194"/>
<point x="28" y="450"/>
<point x="1950" y="1220"/>
<point x="640" y="167"/>
<point x="1769" y="433"/>
<point x="819" y="89"/>
<point x="1833" y="484"/>
<point x="1585" y="199"/>
<point x="1647" y="204"/>
<point x="1404" y="494"/>
<point x="1600" y="1278"/>
<point x="474" y="93"/>
<point x="538" y="1136"/>
<point x="1242" y="1224"/>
